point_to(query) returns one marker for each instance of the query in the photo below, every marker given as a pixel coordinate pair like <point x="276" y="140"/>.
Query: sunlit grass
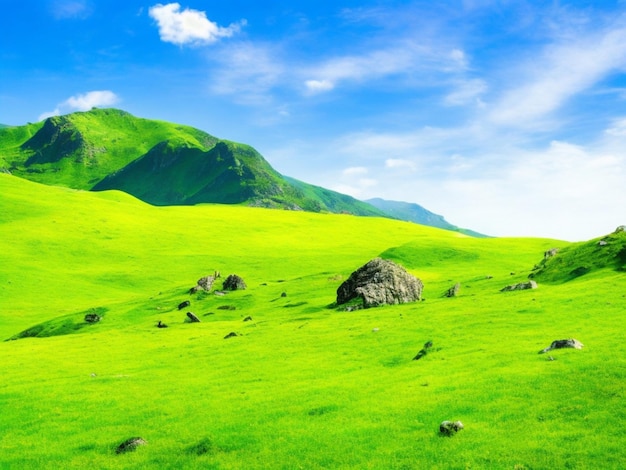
<point x="303" y="385"/>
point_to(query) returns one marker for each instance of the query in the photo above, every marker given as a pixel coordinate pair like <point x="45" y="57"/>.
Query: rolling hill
<point x="300" y="383"/>
<point x="159" y="162"/>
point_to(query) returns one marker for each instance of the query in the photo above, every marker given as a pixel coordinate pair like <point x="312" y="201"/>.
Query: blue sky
<point x="506" y="117"/>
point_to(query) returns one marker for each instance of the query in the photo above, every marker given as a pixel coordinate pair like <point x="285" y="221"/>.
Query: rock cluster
<point x="380" y="282"/>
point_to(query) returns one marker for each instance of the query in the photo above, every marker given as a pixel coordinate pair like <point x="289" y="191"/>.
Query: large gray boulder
<point x="380" y="282"/>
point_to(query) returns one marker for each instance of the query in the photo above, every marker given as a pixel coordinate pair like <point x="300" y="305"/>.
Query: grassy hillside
<point x="80" y="149"/>
<point x="159" y="162"/>
<point x="303" y="385"/>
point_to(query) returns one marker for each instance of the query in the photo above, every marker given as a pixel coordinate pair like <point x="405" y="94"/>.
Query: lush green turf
<point x="303" y="385"/>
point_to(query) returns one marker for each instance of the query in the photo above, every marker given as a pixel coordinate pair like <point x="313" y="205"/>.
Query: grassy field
<point x="304" y="385"/>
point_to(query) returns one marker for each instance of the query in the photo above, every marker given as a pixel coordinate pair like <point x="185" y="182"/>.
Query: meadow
<point x="304" y="384"/>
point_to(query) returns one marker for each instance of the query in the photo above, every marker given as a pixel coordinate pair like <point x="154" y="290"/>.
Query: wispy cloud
<point x="248" y="72"/>
<point x="182" y="27"/>
<point x="83" y="102"/>
<point x="71" y="9"/>
<point x="558" y="73"/>
<point x="467" y="92"/>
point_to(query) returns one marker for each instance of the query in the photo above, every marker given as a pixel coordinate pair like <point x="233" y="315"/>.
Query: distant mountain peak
<point x="412" y="212"/>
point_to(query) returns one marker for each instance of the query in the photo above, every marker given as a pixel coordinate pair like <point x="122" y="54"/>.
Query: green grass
<point x="303" y="385"/>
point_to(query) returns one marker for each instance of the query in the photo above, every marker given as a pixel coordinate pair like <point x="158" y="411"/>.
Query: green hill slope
<point x="159" y="162"/>
<point x="583" y="258"/>
<point x="301" y="384"/>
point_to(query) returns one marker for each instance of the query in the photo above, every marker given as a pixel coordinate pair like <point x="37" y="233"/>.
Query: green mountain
<point x="159" y="162"/>
<point x="418" y="214"/>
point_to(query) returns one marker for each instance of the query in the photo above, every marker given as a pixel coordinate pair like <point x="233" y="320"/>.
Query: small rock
<point x="427" y="345"/>
<point x="284" y="294"/>
<point x="563" y="343"/>
<point x="130" y="445"/>
<point x="453" y="291"/>
<point x="449" y="428"/>
<point x="520" y="286"/>
<point x="92" y="318"/>
<point x="248" y="318"/>
<point x="234" y="282"/>
<point x="184" y="304"/>
<point x="192" y="316"/>
<point x="161" y="324"/>
<point x="232" y="334"/>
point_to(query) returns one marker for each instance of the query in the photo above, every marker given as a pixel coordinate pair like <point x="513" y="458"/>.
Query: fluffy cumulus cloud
<point x="83" y="102"/>
<point x="189" y="26"/>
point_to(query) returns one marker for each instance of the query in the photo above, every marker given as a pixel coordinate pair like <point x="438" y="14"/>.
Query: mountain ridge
<point x="164" y="163"/>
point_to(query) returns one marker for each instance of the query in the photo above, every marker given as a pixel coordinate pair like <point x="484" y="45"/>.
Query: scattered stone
<point x="161" y="324"/>
<point x="453" y="291"/>
<point x="427" y="346"/>
<point x="234" y="282"/>
<point x="449" y="428"/>
<point x="248" y="318"/>
<point x="520" y="286"/>
<point x="603" y="243"/>
<point x="92" y="318"/>
<point x="550" y="253"/>
<point x="226" y="307"/>
<point x="220" y="293"/>
<point x="563" y="343"/>
<point x="184" y="304"/>
<point x="232" y="334"/>
<point x="375" y="330"/>
<point x="284" y="294"/>
<point x="380" y="282"/>
<point x="620" y="228"/>
<point x="130" y="445"/>
<point x="204" y="283"/>
<point x="192" y="316"/>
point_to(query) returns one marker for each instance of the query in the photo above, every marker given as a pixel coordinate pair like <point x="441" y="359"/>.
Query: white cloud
<point x="355" y="170"/>
<point x="467" y="92"/>
<point x="618" y="128"/>
<point x="83" y="102"/>
<point x="560" y="72"/>
<point x="319" y="86"/>
<point x="67" y="9"/>
<point x="47" y="114"/>
<point x="400" y="163"/>
<point x="248" y="72"/>
<point x="90" y="100"/>
<point x="189" y="26"/>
